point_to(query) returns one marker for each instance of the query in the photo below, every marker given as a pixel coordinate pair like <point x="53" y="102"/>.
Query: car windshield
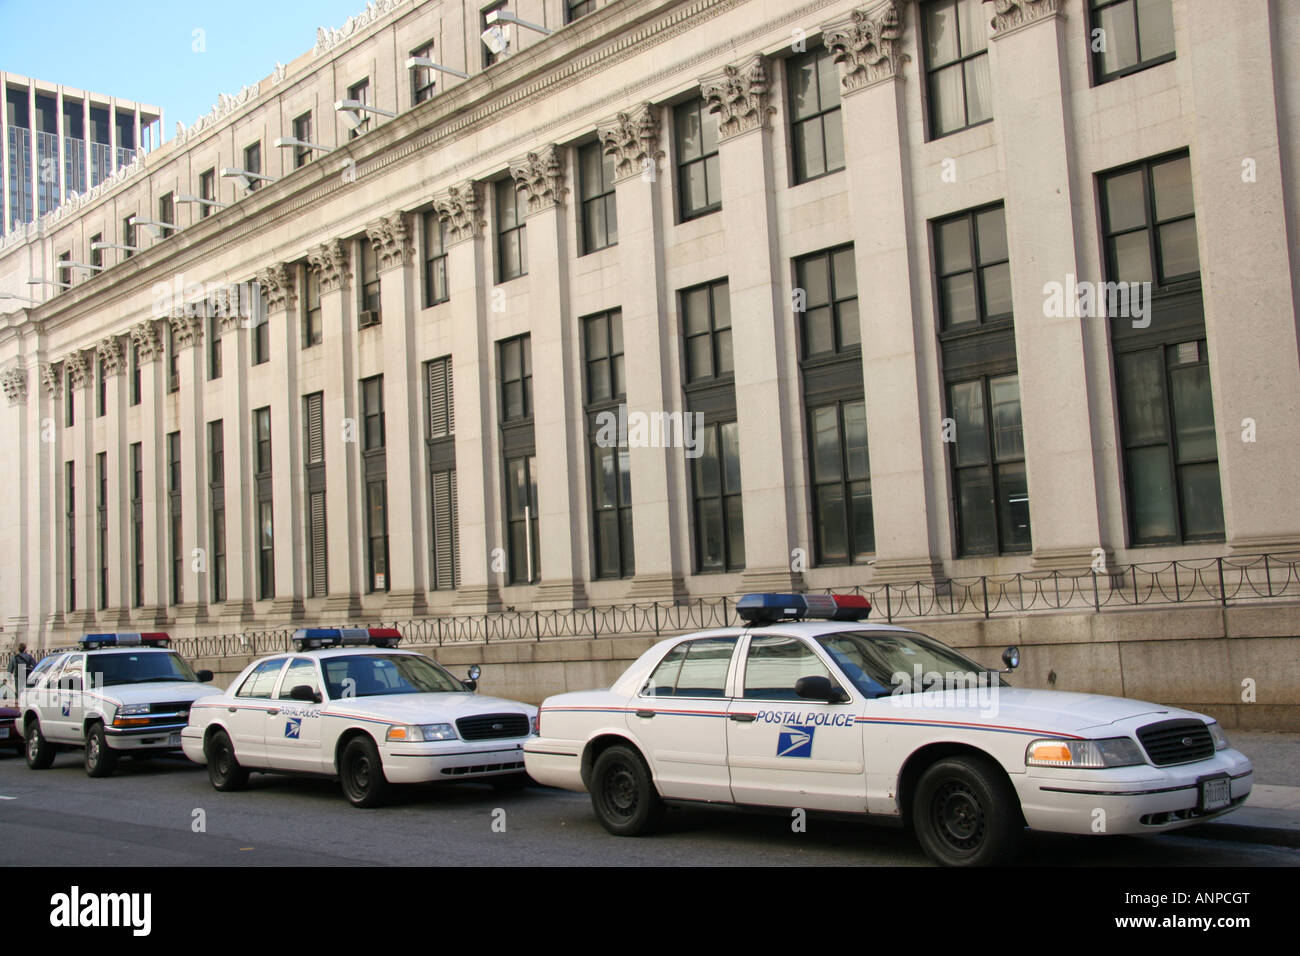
<point x="881" y="663"/>
<point x="139" y="668"/>
<point x="374" y="675"/>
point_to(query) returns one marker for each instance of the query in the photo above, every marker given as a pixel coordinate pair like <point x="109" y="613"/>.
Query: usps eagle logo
<point x="293" y="728"/>
<point x="795" y="740"/>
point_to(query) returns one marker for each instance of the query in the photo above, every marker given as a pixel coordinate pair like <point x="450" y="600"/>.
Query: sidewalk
<point x="1272" y="812"/>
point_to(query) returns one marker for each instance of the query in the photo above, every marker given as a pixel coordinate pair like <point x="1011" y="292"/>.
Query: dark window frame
<point x="978" y="267"/>
<point x="599" y="195"/>
<point x="835" y="304"/>
<point x="1152" y="225"/>
<point x="686" y="213"/>
<point x="434" y="235"/>
<point x="608" y="368"/>
<point x="820" y="117"/>
<point x="932" y="115"/>
<point x="1098" y="75"/>
<point x="517" y="231"/>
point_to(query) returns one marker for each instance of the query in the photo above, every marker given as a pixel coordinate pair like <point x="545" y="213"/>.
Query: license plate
<point x="4" y="733"/>
<point x="174" y="740"/>
<point x="1216" y="793"/>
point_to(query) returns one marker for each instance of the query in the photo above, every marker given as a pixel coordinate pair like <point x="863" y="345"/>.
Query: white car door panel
<point x="246" y="714"/>
<point x="293" y="727"/>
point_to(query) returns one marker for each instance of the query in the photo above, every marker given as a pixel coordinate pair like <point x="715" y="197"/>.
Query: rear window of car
<point x="693" y="669"/>
<point x="261" y="681"/>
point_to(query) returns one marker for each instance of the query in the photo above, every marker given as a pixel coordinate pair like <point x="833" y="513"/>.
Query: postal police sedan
<point x="835" y="715"/>
<point x="349" y="704"/>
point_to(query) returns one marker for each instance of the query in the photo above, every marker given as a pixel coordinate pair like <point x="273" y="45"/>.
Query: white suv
<point x="113" y="694"/>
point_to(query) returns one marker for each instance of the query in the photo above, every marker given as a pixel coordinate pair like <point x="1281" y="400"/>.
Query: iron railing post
<point x="1223" y="592"/>
<point x="984" y="583"/>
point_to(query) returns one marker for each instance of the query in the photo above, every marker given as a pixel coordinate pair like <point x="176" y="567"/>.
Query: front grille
<point x="493" y="726"/>
<point x="1176" y="741"/>
<point x="176" y="707"/>
<point x="481" y="768"/>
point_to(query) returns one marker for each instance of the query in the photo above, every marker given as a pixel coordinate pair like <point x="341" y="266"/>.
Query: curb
<point x="1246" y="833"/>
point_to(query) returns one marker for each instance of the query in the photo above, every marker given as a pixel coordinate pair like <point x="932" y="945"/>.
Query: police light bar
<point x="770" y="608"/>
<point x="312" y="638"/>
<point x="125" y="639"/>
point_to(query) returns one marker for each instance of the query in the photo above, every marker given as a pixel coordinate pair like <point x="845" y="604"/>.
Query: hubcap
<point x="621" y="791"/>
<point x="958" y="816"/>
<point x="223" y="760"/>
<point x="92" y="748"/>
<point x="33" y="743"/>
<point x="361" y="773"/>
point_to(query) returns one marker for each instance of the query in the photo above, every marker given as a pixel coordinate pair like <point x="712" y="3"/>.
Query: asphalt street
<point x="149" y="814"/>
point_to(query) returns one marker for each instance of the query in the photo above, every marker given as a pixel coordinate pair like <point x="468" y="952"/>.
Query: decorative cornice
<point x="867" y="45"/>
<point x="1009" y="15"/>
<point x="631" y="139"/>
<point x="77" y="369"/>
<point x="52" y="379"/>
<point x="459" y="208"/>
<point x="328" y="38"/>
<point x="110" y="355"/>
<point x="739" y="95"/>
<point x="329" y="261"/>
<point x="540" y="176"/>
<point x="187" y="328"/>
<point x="14" y="382"/>
<point x="145" y="338"/>
<point x="391" y="236"/>
<point x="225" y="105"/>
<point x="279" y="284"/>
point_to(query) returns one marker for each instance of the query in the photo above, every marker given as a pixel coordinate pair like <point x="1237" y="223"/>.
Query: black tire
<point x="510" y="782"/>
<point x="362" y="774"/>
<point x="966" y="813"/>
<point x="101" y="760"/>
<point x="39" y="751"/>
<point x="623" y="793"/>
<point x="224" y="770"/>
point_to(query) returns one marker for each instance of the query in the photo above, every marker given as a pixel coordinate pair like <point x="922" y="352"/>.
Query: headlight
<point x="1086" y="754"/>
<point x="1219" y="737"/>
<point x="126" y="710"/>
<point x="421" y="733"/>
<point x="535" y="724"/>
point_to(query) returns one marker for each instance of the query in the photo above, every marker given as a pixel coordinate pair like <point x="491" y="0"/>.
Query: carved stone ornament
<point x="1010" y="14"/>
<point x="187" y="328"/>
<point x="631" y="139"/>
<point x="392" y="239"/>
<point x="328" y="38"/>
<point x="77" y="369"/>
<point x="110" y="355"/>
<point x="329" y="261"/>
<point x="739" y="95"/>
<point x="227" y="103"/>
<point x="14" y="381"/>
<point x="52" y="379"/>
<point x="145" y="338"/>
<point x="459" y="208"/>
<point x="540" y="176"/>
<point x="278" y="283"/>
<point x="867" y="46"/>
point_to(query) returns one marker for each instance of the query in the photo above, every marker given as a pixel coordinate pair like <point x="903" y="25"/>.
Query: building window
<point x="167" y="212"/>
<point x="128" y="236"/>
<point x="262" y="438"/>
<point x="515" y="373"/>
<point x="699" y="173"/>
<point x="435" y="259"/>
<point x="96" y="255"/>
<point x="173" y="360"/>
<point x="842" y="509"/>
<point x="578" y="9"/>
<point x="377" y="535"/>
<point x="489" y="57"/>
<point x="176" y="545"/>
<point x="440" y="438"/>
<point x="512" y="252"/>
<point x="101" y="525"/>
<point x="972" y="266"/>
<point x="706" y="327"/>
<point x="69" y="400"/>
<point x="516" y="378"/>
<point x="521" y="519"/>
<point x="253" y="164"/>
<point x="313" y="416"/>
<point x="207" y="191"/>
<point x="65" y="272"/>
<point x="816" y="124"/>
<point x="101" y="388"/>
<point x="988" y="459"/>
<point x="265" y="517"/>
<point x="828" y="281"/>
<point x="611" y="480"/>
<point x="370" y="298"/>
<point x="261" y="331"/>
<point x="217" y="496"/>
<point x="214" y="347"/>
<point x="599" y="210"/>
<point x="1129" y="35"/>
<point x="423" y="78"/>
<point x="302" y="133"/>
<point x="1149" y="222"/>
<point x="70" y="526"/>
<point x="955" y="41"/>
<point x="313" y="316"/>
<point x="719" y="521"/>
<point x="137" y="523"/>
<point x="360" y="92"/>
<point x="135" y="374"/>
<point x="372" y="412"/>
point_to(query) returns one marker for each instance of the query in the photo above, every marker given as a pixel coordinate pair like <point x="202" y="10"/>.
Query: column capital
<point x="186" y="327"/>
<point x="278" y="282"/>
<point x="77" y="369"/>
<point x="14" y="381"/>
<point x="144" y="336"/>
<point x="1011" y="15"/>
<point x="110" y="355"/>
<point x="459" y="207"/>
<point x="540" y="176"/>
<point x="867" y="45"/>
<point x="631" y="138"/>
<point x="392" y="238"/>
<point x="739" y="95"/>
<point x="52" y="379"/>
<point x="329" y="261"/>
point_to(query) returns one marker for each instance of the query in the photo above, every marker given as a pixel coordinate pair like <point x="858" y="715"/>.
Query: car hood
<point x="427" y="708"/>
<point x="155" y="692"/>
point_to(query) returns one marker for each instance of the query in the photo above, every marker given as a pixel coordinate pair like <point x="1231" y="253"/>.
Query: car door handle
<point x="233" y="710"/>
<point x="273" y="711"/>
<point x="743" y="718"/>
<point x="645" y="713"/>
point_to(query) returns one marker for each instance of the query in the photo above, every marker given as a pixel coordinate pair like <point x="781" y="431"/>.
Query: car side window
<point x="301" y="671"/>
<point x="45" y="669"/>
<point x="773" y="665"/>
<point x="261" y="681"/>
<point x="693" y="669"/>
<point x="70" y="678"/>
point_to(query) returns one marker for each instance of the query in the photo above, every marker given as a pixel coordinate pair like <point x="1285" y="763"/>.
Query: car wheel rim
<point x="958" y="816"/>
<point x="360" y="775"/>
<point x="92" y="750"/>
<point x="621" y="791"/>
<point x="33" y="743"/>
<point x="223" y="761"/>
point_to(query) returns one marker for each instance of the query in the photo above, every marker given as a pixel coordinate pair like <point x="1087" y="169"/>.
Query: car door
<point x="39" y="694"/>
<point x="246" y="713"/>
<point x="787" y="751"/>
<point x="679" y="715"/>
<point x="292" y="727"/>
<point x="69" y="708"/>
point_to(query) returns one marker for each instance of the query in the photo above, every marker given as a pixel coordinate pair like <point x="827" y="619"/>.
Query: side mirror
<point x="474" y="672"/>
<point x="304" y="692"/>
<point x="818" y="688"/>
<point x="205" y="677"/>
<point x="1010" y="659"/>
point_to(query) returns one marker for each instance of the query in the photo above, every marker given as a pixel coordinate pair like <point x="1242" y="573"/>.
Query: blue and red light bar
<point x="312" y="638"/>
<point x="770" y="608"/>
<point x="125" y="639"/>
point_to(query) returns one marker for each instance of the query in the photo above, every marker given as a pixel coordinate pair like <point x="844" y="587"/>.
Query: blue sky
<point x="143" y="50"/>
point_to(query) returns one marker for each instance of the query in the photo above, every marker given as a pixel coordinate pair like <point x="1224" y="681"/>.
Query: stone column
<point x="407" y="516"/>
<point x="187" y="333"/>
<point x="237" y="449"/>
<point x="658" y="475"/>
<point x="868" y="48"/>
<point x="79" y="369"/>
<point x="767" y="404"/>
<point x="21" y="507"/>
<point x="153" y="466"/>
<point x="479" y="521"/>
<point x="1029" y="55"/>
<point x="44" y="547"/>
<point x="112" y="359"/>
<point x="343" y="528"/>
<point x="1247" y="262"/>
<point x="557" y="405"/>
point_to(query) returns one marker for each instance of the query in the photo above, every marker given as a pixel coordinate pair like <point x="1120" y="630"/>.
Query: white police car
<point x="347" y="703"/>
<point x="836" y="715"/>
<point x="114" y="694"/>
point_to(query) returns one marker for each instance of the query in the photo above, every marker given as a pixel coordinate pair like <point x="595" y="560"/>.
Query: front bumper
<point x="1141" y="799"/>
<point x="447" y="760"/>
<point x="160" y="737"/>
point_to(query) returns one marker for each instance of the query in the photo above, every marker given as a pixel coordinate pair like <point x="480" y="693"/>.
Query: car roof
<point x="327" y="652"/>
<point x="800" y="628"/>
<point x="128" y="649"/>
